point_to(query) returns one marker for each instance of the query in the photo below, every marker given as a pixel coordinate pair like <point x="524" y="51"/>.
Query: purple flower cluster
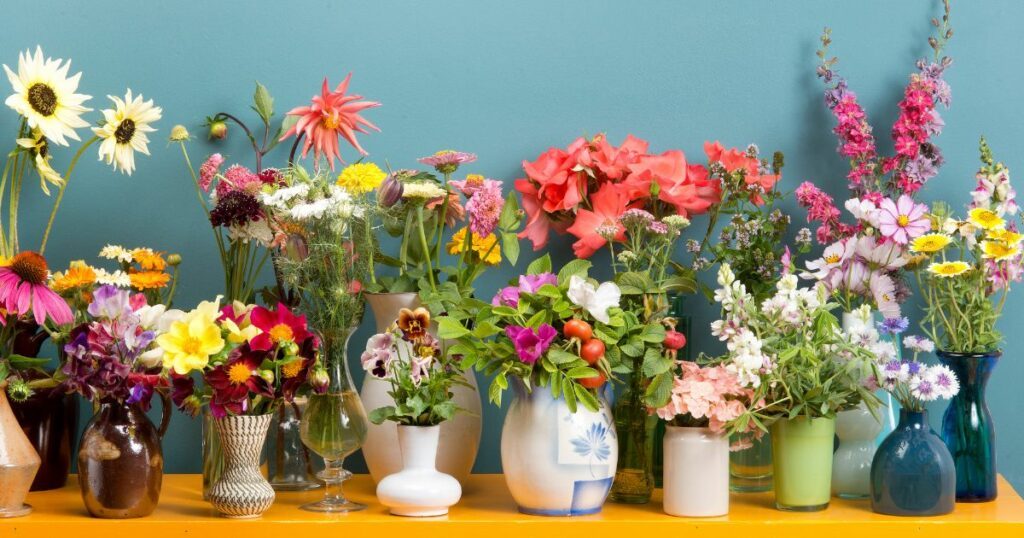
<point x="236" y="208"/>
<point x="509" y="296"/>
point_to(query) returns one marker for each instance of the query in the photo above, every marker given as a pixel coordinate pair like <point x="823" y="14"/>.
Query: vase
<point x="750" y="469"/>
<point x="460" y="436"/>
<point x="290" y="465"/>
<point x="857" y="430"/>
<point x="557" y="463"/>
<point x="18" y="462"/>
<point x="634" y="475"/>
<point x="120" y="461"/>
<point x="419" y="489"/>
<point x="50" y="420"/>
<point x="696" y="472"/>
<point x="241" y="491"/>
<point x="913" y="472"/>
<point x="802" y="463"/>
<point x="212" y="455"/>
<point x="334" y="425"/>
<point x="967" y="427"/>
<point x="684" y="324"/>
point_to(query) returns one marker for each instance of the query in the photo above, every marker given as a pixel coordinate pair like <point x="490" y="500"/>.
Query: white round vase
<point x="696" y="472"/>
<point x="419" y="489"/>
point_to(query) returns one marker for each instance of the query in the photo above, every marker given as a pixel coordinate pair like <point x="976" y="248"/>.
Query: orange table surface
<point x="487" y="511"/>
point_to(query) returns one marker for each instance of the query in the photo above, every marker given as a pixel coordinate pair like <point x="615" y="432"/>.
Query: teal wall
<point x="507" y="80"/>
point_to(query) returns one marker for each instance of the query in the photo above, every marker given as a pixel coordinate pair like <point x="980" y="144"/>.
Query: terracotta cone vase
<point x="18" y="462"/>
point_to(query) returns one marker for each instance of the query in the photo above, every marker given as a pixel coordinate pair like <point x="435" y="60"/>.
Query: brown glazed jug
<point x="120" y="462"/>
<point x="18" y="462"/>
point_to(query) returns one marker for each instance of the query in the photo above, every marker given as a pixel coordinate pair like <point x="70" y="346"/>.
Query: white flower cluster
<point x="747" y="360"/>
<point x="299" y="202"/>
<point x="791" y="304"/>
<point x="861" y="332"/>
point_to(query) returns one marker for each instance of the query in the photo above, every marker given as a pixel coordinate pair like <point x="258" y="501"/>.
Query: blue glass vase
<point x="912" y="473"/>
<point x="967" y="426"/>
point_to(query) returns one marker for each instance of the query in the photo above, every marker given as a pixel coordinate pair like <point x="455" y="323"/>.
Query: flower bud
<point x="319" y="380"/>
<point x="192" y="405"/>
<point x="267" y="376"/>
<point x="179" y="133"/>
<point x="174" y="260"/>
<point x="218" y="129"/>
<point x="18" y="389"/>
<point x="295" y="247"/>
<point x="390" y="192"/>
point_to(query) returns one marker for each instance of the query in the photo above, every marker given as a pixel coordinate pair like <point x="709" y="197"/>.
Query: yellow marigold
<point x="486" y="249"/>
<point x="78" y="275"/>
<point x="999" y="251"/>
<point x="361" y="178"/>
<point x="930" y="243"/>
<point x="948" y="269"/>
<point x="149" y="260"/>
<point x="985" y="219"/>
<point x="146" y="280"/>
<point x="1006" y="236"/>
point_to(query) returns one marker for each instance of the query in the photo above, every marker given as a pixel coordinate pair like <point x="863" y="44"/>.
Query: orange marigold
<point x="78" y="275"/>
<point x="149" y="260"/>
<point x="145" y="280"/>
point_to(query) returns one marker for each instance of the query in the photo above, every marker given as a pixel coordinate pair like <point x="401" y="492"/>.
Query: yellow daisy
<point x="999" y="251"/>
<point x="124" y="130"/>
<point x="948" y="269"/>
<point x="486" y="249"/>
<point x="1005" y="236"/>
<point x="45" y="96"/>
<point x="361" y="178"/>
<point x="985" y="219"/>
<point x="930" y="243"/>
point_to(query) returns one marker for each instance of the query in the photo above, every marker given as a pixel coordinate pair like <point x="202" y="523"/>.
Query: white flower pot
<point x="696" y="478"/>
<point x="419" y="489"/>
<point x="459" y="437"/>
<point x="557" y="463"/>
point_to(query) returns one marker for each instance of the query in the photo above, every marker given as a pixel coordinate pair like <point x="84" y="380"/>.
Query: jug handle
<point x="165" y="419"/>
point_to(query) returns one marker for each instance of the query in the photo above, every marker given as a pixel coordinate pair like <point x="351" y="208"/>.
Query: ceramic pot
<point x="967" y="426"/>
<point x="241" y="491"/>
<point x="459" y="437"/>
<point x="696" y="472"/>
<point x="857" y="430"/>
<point x="802" y="459"/>
<point x="50" y="420"/>
<point x="913" y="473"/>
<point x="419" y="489"/>
<point x="120" y="461"/>
<point x="18" y="462"/>
<point x="557" y="463"/>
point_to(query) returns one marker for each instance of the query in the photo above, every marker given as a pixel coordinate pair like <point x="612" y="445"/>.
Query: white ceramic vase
<point x="459" y="437"/>
<point x="696" y="478"/>
<point x="557" y="463"/>
<point x="419" y="489"/>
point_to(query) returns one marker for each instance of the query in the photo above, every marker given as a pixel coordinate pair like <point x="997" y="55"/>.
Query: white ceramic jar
<point x="696" y="478"/>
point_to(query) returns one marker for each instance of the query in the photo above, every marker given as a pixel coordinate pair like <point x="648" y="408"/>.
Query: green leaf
<point x="550" y="291"/>
<point x="485" y="329"/>
<point x="21" y="362"/>
<point x="448" y="328"/>
<point x="505" y="311"/>
<point x="658" y="392"/>
<point x="510" y="246"/>
<point x="569" y="393"/>
<point x="381" y="414"/>
<point x="510" y="217"/>
<point x="540" y="265"/>
<point x="573" y="268"/>
<point x="263" y="103"/>
<point x="587" y="398"/>
<point x="655" y="363"/>
<point x="653" y="333"/>
<point x="580" y="372"/>
<point x="560" y="356"/>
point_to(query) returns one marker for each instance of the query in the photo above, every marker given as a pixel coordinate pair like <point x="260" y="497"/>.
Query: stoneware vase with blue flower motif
<point x="557" y="463"/>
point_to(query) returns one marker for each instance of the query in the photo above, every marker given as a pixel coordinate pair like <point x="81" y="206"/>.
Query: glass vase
<point x="634" y="477"/>
<point x="290" y="465"/>
<point x="213" y="455"/>
<point x="334" y="425"/>
<point x="913" y="473"/>
<point x="967" y="427"/>
<point x="750" y="469"/>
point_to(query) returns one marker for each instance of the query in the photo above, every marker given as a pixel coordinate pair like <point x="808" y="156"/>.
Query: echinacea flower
<point x="999" y="251"/>
<point x="447" y="161"/>
<point x="948" y="269"/>
<point x="530" y="344"/>
<point x="23" y="290"/>
<point x="45" y="96"/>
<point x="986" y="219"/>
<point x="595" y="300"/>
<point x="124" y="129"/>
<point x="361" y="178"/>
<point x="413" y="323"/>
<point x="280" y="327"/>
<point x="929" y="243"/>
<point x="189" y="343"/>
<point x="902" y="220"/>
<point x="40" y="150"/>
<point x="330" y="115"/>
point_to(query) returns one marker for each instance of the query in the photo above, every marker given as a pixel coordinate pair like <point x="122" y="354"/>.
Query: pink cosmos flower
<point x="23" y="290"/>
<point x="903" y="220"/>
<point x="330" y="115"/>
<point x="209" y="169"/>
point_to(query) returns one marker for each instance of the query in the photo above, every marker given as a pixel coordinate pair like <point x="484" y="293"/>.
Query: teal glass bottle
<point x="967" y="426"/>
<point x="912" y="473"/>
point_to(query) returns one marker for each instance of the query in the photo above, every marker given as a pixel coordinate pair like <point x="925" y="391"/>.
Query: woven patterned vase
<point x="242" y="491"/>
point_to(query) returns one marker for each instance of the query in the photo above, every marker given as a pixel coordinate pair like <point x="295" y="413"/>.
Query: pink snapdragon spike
<point x="330" y="115"/>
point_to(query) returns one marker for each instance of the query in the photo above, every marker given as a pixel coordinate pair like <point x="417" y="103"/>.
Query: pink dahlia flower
<point x="23" y="290"/>
<point x="330" y="115"/>
<point x="903" y="220"/>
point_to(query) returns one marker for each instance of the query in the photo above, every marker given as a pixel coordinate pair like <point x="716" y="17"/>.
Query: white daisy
<point x="124" y="130"/>
<point x="117" y="252"/>
<point x="45" y="96"/>
<point x="117" y="278"/>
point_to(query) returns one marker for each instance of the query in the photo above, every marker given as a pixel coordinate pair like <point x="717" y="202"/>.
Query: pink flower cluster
<point x="711" y="394"/>
<point x="855" y="138"/>
<point x="821" y="208"/>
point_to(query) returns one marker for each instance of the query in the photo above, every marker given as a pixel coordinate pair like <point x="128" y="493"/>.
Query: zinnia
<point x="23" y="290"/>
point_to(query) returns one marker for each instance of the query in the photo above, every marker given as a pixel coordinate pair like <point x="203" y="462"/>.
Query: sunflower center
<point x="903" y="220"/>
<point x="125" y="131"/>
<point x="239" y="374"/>
<point x="192" y="345"/>
<point x="281" y="333"/>
<point x="291" y="369"/>
<point x="42" y="99"/>
<point x="30" y="267"/>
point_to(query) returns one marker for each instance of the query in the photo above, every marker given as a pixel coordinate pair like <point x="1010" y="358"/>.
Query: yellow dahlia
<point x="930" y="243"/>
<point x="999" y="251"/>
<point x="45" y="96"/>
<point x="485" y="248"/>
<point x="188" y="344"/>
<point x="124" y="130"/>
<point x="948" y="269"/>
<point x="361" y="178"/>
<point x="986" y="219"/>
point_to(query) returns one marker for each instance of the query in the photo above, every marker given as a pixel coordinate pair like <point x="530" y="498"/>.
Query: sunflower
<point x="45" y="96"/>
<point x="985" y="219"/>
<point x="948" y="269"/>
<point x="930" y="243"/>
<point x="999" y="251"/>
<point x="124" y="130"/>
<point x="360" y="178"/>
<point x="147" y="280"/>
<point x="40" y="149"/>
<point x="78" y="275"/>
<point x="149" y="260"/>
<point x="1005" y="236"/>
<point x="485" y="248"/>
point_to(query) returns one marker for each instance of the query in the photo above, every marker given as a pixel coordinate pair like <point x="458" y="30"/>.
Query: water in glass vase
<point x="750" y="470"/>
<point x="335" y="424"/>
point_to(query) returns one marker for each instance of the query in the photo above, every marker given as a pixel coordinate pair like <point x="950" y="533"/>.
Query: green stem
<point x="426" y="247"/>
<point x="60" y="193"/>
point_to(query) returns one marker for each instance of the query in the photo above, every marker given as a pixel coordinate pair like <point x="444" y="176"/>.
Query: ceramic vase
<point x="18" y="462"/>
<point x="419" y="489"/>
<point x="120" y="461"/>
<point x="50" y="420"/>
<point x="857" y="430"/>
<point x="967" y="426"/>
<point x="241" y="491"/>
<point x="802" y="454"/>
<point x="557" y="463"/>
<point x="696" y="472"/>
<point x="913" y="472"/>
<point x="459" y="437"/>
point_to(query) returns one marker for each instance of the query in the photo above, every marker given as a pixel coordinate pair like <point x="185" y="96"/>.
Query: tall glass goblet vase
<point x="334" y="425"/>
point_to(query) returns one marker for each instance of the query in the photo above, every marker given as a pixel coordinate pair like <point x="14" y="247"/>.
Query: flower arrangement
<point x="410" y="359"/>
<point x="790" y="350"/>
<point x="51" y="109"/>
<point x="249" y="358"/>
<point x="705" y="396"/>
<point x="966" y="267"/>
<point x="141" y="270"/>
<point x="913" y="383"/>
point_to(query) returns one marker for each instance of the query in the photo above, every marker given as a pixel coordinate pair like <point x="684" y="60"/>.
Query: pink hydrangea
<point x="710" y="393"/>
